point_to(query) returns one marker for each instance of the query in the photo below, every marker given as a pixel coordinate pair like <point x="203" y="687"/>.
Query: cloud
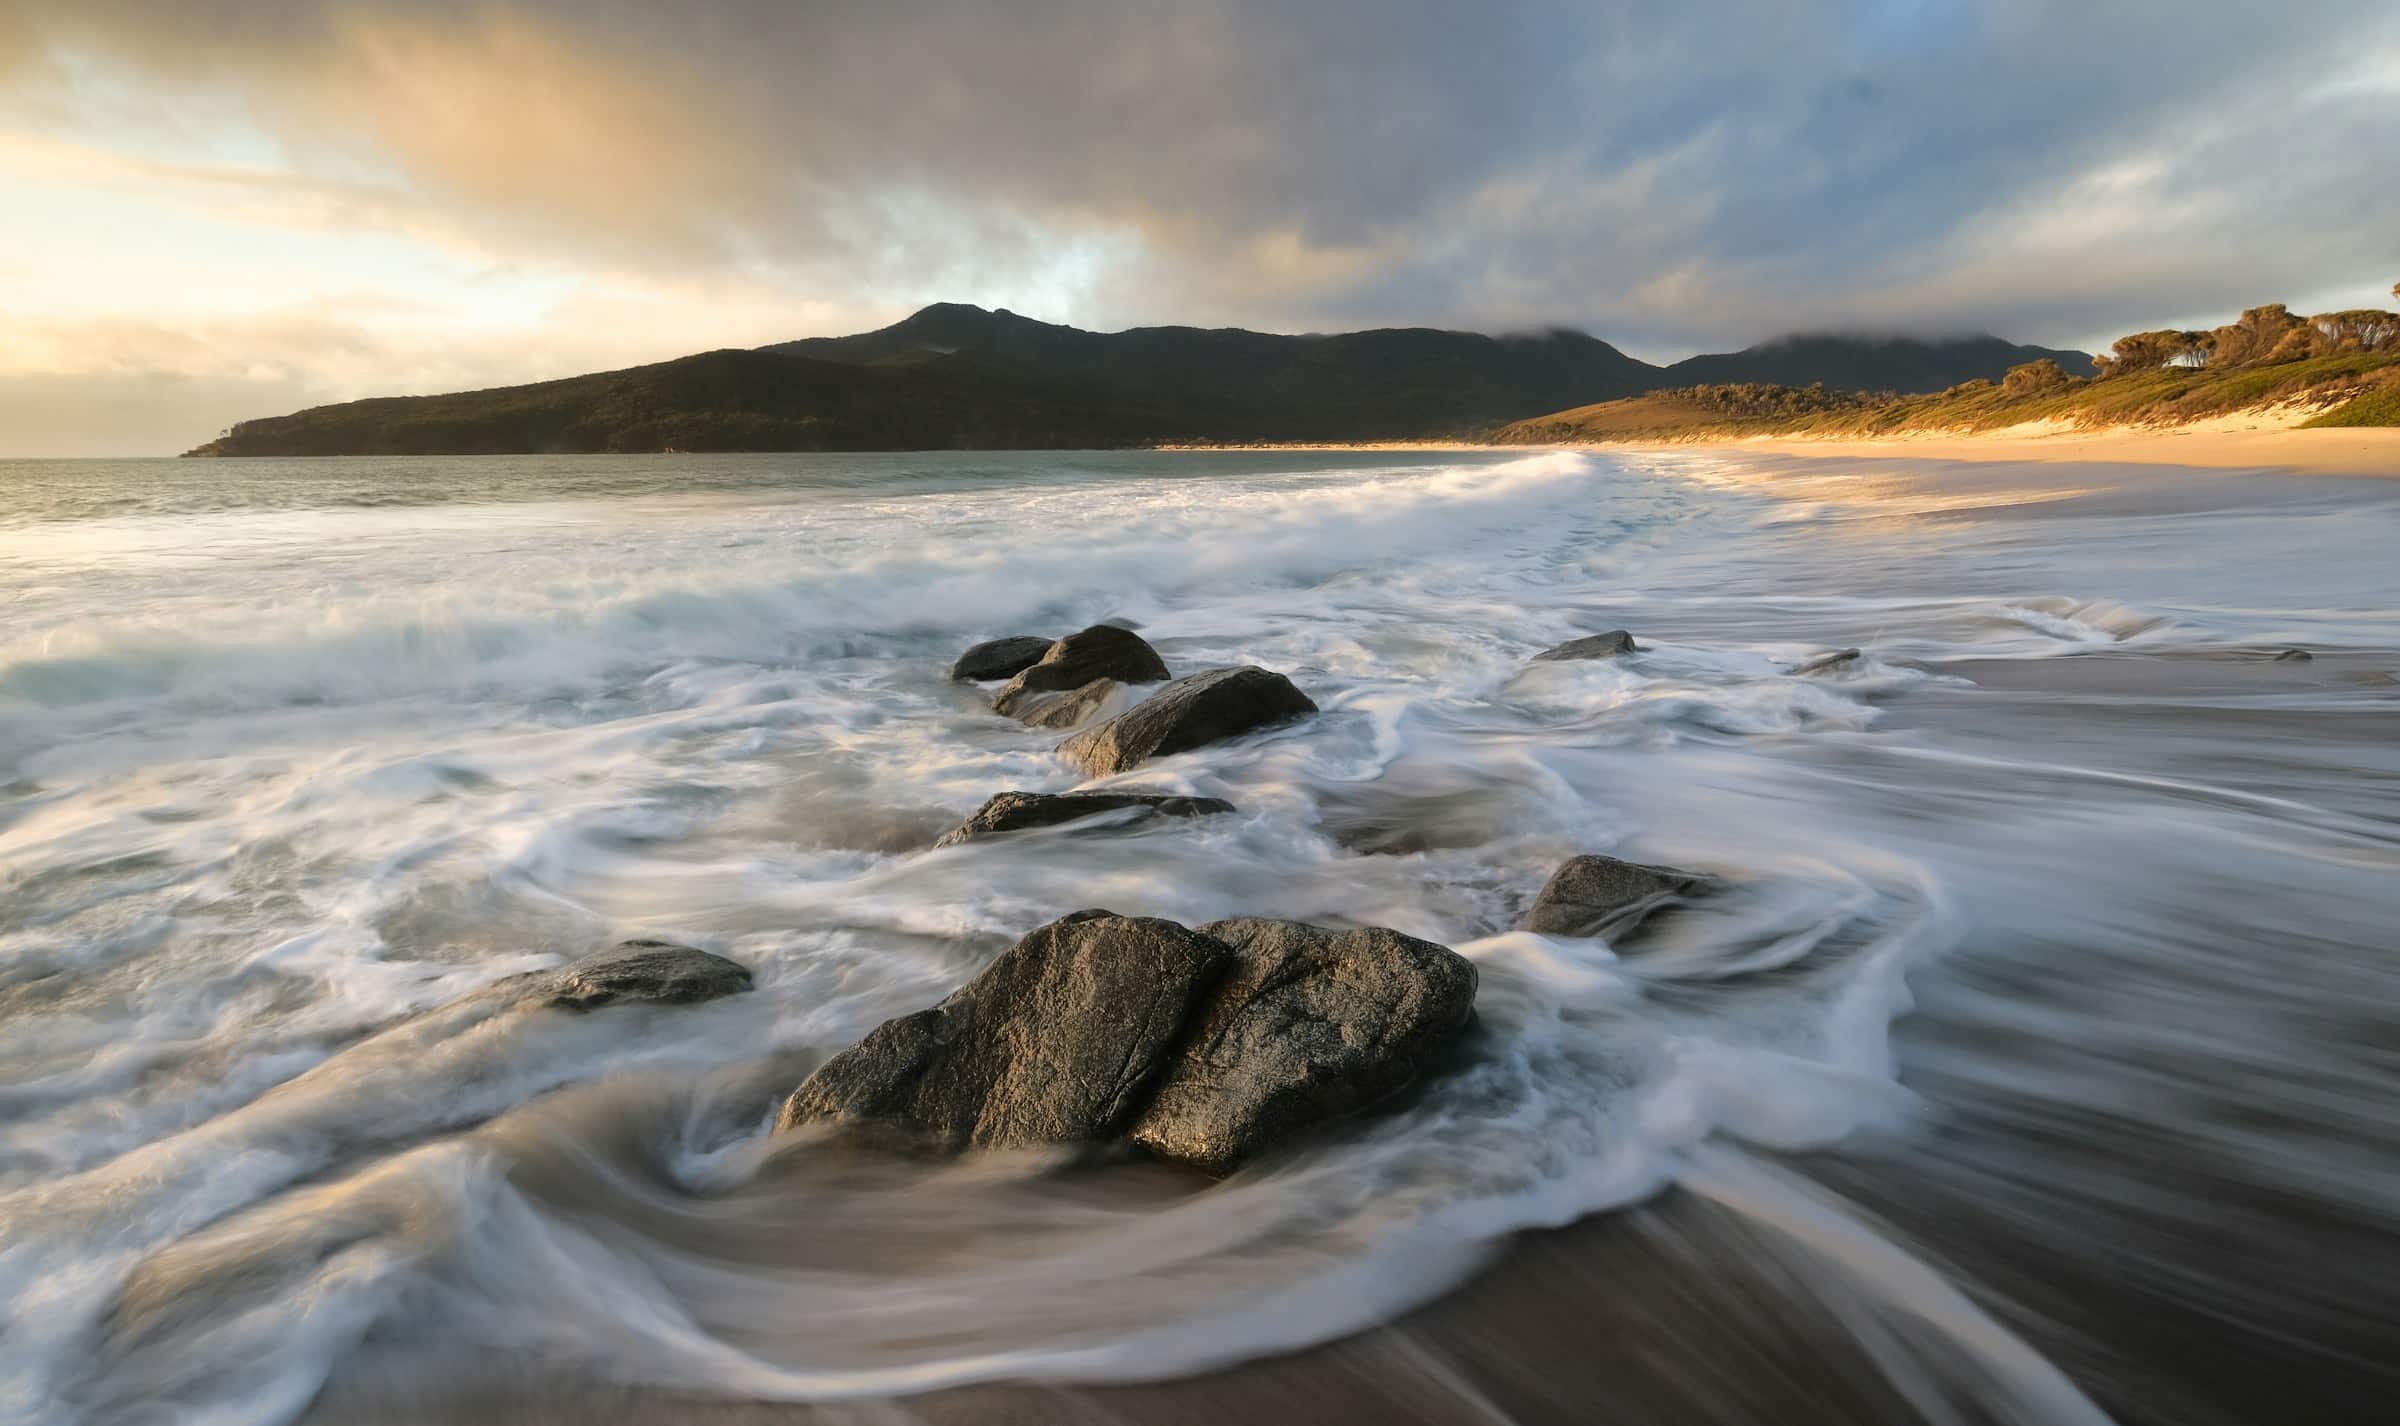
<point x="1675" y="176"/>
<point x="139" y="386"/>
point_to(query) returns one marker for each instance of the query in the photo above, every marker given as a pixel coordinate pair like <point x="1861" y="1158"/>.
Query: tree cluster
<point x="2033" y="376"/>
<point x="2262" y="336"/>
<point x="1756" y="399"/>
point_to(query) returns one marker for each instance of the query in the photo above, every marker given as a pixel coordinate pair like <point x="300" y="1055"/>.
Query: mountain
<point x="718" y="401"/>
<point x="1907" y="365"/>
<point x="955" y="376"/>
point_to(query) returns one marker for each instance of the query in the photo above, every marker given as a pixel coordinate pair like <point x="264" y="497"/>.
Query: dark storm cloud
<point x="1672" y="174"/>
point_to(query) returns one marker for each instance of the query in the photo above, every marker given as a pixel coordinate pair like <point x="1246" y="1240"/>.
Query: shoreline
<point x="2233" y="443"/>
<point x="2363" y="451"/>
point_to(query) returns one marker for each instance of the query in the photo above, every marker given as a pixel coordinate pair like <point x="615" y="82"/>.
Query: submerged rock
<point x="1592" y="895"/>
<point x="999" y="658"/>
<point x="1614" y="644"/>
<point x="2295" y="656"/>
<point x="1101" y="651"/>
<point x="1056" y="1042"/>
<point x="1017" y="811"/>
<point x="1065" y="710"/>
<point x="644" y="972"/>
<point x="1826" y="663"/>
<point x="1198" y="709"/>
<point x="1309" y="1023"/>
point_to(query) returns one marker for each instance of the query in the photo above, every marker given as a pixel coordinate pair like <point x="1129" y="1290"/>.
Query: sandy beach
<point x="2252" y="440"/>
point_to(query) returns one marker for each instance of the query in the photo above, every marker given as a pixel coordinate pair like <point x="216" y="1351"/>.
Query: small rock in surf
<point x="634" y="972"/>
<point x="1191" y="712"/>
<point x="1826" y="663"/>
<point x="1595" y="895"/>
<point x="1101" y="651"/>
<point x="1616" y="643"/>
<point x="999" y="658"/>
<point x="1018" y="811"/>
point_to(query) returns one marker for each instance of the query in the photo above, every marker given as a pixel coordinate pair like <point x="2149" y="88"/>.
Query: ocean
<point x="2037" y="1065"/>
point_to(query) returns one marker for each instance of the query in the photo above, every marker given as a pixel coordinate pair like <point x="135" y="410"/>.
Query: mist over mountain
<point x="1906" y="365"/>
<point x="959" y="376"/>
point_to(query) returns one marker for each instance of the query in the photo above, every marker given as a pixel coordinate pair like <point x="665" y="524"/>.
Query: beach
<point x="2252" y="441"/>
<point x="2260" y="440"/>
<point x="2030" y="1065"/>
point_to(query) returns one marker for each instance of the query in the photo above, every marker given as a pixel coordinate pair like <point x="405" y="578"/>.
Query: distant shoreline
<point x="1425" y="445"/>
<point x="2368" y="451"/>
<point x="2372" y="451"/>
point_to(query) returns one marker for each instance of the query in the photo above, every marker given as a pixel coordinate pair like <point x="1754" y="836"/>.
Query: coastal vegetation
<point x="2339" y="368"/>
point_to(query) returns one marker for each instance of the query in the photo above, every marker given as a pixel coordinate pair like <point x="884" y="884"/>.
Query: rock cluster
<point x="1064" y="682"/>
<point x="1204" y="1046"/>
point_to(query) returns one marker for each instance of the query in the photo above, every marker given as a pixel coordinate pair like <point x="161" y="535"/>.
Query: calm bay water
<point x="2052" y="1017"/>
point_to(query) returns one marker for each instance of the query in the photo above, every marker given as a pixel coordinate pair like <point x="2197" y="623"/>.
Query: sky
<point x="216" y="209"/>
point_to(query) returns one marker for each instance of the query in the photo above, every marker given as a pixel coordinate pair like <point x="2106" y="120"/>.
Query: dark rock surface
<point x="1064" y="710"/>
<point x="1203" y="1046"/>
<point x="1592" y="895"/>
<point x="1000" y="658"/>
<point x="1826" y="663"/>
<point x="1308" y="1023"/>
<point x="1016" y="811"/>
<point x="1614" y="644"/>
<point x="1101" y="651"/>
<point x="644" y="972"/>
<point x="1192" y="711"/>
<point x="1056" y="1042"/>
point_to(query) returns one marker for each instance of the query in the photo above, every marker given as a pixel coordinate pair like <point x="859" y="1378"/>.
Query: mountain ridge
<point x="952" y="375"/>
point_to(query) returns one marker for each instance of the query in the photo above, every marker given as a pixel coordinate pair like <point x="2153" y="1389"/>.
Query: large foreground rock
<point x="1308" y="1024"/>
<point x="1188" y="713"/>
<point x="1594" y="895"/>
<point x="1056" y="1042"/>
<point x="1101" y="651"/>
<point x="1000" y="658"/>
<point x="1616" y="643"/>
<point x="1204" y="1046"/>
<point x="1017" y="811"/>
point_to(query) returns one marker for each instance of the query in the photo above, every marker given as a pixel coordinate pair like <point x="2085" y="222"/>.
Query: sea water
<point x="293" y="753"/>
